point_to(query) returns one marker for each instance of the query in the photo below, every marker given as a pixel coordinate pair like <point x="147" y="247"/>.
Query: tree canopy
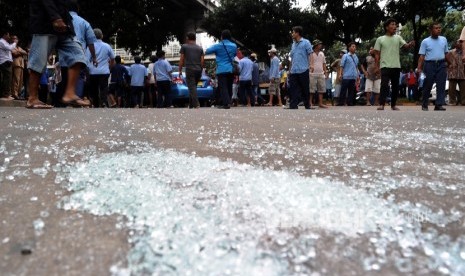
<point x="256" y="23"/>
<point x="143" y="26"/>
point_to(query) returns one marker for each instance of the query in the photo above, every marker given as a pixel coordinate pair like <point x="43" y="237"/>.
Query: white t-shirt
<point x="318" y="63"/>
<point x="150" y="72"/>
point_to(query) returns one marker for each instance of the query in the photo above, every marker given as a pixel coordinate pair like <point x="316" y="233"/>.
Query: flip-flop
<point x="38" y="105"/>
<point x="77" y="102"/>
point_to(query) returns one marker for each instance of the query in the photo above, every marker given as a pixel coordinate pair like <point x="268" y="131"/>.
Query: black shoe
<point x="424" y="108"/>
<point x="223" y="107"/>
<point x="439" y="108"/>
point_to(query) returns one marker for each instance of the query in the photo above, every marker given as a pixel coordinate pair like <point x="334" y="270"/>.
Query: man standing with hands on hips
<point x="299" y="73"/>
<point x="433" y="55"/>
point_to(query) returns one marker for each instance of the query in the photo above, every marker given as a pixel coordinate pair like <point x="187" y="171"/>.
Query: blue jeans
<point x="299" y="89"/>
<point x="435" y="72"/>
<point x="69" y="51"/>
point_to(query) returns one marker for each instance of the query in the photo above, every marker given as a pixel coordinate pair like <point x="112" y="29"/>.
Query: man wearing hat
<point x="317" y="73"/>
<point x="275" y="77"/>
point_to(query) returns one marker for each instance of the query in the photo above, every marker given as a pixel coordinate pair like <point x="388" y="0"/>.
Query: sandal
<point x="76" y="102"/>
<point x="38" y="105"/>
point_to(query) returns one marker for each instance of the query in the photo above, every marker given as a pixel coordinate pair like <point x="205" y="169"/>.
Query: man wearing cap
<point x="317" y="73"/>
<point x="299" y="75"/>
<point x="275" y="77"/>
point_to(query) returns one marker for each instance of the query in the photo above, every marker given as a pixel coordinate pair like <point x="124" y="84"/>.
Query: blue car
<point x="180" y="93"/>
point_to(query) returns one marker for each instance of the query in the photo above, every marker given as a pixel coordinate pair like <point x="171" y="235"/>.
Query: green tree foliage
<point x="347" y="20"/>
<point x="140" y="25"/>
<point x="452" y="25"/>
<point x="12" y="14"/>
<point x="258" y="24"/>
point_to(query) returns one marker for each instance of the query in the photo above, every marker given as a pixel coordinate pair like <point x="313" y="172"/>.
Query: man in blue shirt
<point x="86" y="37"/>
<point x="299" y="74"/>
<point x="245" y="80"/>
<point x="433" y="55"/>
<point x="138" y="74"/>
<point x="98" y="79"/>
<point x="225" y="52"/>
<point x="119" y="78"/>
<point x="256" y="80"/>
<point x="349" y="74"/>
<point x="162" y="71"/>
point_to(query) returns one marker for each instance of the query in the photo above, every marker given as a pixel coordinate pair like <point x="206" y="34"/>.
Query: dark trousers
<point x="299" y="89"/>
<point x="225" y="83"/>
<point x="245" y="90"/>
<point x="164" y="94"/>
<point x="392" y="75"/>
<point x="98" y="85"/>
<point x="192" y="78"/>
<point x="435" y="72"/>
<point x="136" y="95"/>
<point x="347" y="94"/>
<point x="5" y="79"/>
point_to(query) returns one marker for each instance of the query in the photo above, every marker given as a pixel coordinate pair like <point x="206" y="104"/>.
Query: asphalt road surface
<point x="245" y="191"/>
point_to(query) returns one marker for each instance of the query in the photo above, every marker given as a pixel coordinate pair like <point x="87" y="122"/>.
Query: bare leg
<point x="320" y="100"/>
<point x="368" y="98"/>
<point x="280" y="103"/>
<point x="311" y="99"/>
<point x="270" y="102"/>
<point x="376" y="99"/>
<point x="70" y="93"/>
<point x="34" y="80"/>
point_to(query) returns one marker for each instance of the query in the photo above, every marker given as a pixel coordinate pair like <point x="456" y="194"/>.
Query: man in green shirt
<point x="387" y="57"/>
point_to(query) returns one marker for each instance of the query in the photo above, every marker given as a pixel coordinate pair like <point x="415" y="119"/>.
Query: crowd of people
<point x="88" y="73"/>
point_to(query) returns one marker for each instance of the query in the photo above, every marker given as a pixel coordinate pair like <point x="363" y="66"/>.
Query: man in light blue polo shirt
<point x="348" y="72"/>
<point x="138" y="74"/>
<point x="432" y="60"/>
<point x="299" y="79"/>
<point x="99" y="74"/>
<point x="162" y="70"/>
<point x="245" y="80"/>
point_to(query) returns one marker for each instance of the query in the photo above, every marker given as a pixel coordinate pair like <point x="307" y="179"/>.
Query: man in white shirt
<point x="6" y="61"/>
<point x="318" y="72"/>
